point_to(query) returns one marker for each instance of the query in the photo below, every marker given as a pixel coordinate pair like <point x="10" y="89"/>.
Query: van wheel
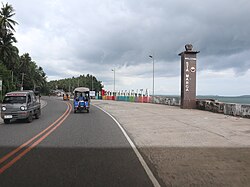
<point x="30" y="118"/>
<point x="7" y="121"/>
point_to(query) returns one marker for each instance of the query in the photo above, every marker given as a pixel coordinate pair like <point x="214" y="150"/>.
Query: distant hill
<point x="244" y="96"/>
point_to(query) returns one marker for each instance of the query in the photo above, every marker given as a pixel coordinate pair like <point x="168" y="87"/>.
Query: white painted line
<point x="142" y="161"/>
<point x="44" y="103"/>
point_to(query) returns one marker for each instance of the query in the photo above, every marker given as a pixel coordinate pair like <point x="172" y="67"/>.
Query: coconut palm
<point x="6" y="45"/>
<point x="13" y="66"/>
<point x="6" y="23"/>
<point x="8" y="52"/>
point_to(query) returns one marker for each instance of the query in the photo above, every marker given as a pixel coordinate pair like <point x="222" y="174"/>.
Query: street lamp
<point x="114" y="78"/>
<point x="153" y="75"/>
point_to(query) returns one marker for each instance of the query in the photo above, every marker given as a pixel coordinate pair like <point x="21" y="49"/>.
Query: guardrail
<point x="232" y="109"/>
<point x="173" y="101"/>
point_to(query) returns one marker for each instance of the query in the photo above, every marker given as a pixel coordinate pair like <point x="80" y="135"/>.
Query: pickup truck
<point x="20" y="105"/>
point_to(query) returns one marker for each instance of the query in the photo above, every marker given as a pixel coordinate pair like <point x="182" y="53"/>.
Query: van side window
<point x="29" y="99"/>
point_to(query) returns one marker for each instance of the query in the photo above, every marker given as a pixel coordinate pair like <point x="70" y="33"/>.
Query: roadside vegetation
<point x="16" y="70"/>
<point x="20" y="71"/>
<point x="70" y="84"/>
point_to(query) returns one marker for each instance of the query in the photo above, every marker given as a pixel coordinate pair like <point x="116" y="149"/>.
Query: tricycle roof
<point x="81" y="89"/>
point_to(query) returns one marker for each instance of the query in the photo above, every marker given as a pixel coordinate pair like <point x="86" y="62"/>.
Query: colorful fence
<point x="173" y="101"/>
<point x="140" y="99"/>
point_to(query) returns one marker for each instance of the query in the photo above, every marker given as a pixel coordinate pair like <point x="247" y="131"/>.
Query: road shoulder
<point x="187" y="147"/>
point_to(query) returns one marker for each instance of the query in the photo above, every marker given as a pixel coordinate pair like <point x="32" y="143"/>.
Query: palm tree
<point x="8" y="52"/>
<point x="34" y="75"/>
<point x="7" y="24"/>
<point x="12" y="66"/>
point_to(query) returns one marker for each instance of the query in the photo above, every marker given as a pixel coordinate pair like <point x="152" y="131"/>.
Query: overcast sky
<point x="70" y="38"/>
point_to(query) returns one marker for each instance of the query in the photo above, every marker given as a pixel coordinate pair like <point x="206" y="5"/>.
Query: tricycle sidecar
<point x="81" y="99"/>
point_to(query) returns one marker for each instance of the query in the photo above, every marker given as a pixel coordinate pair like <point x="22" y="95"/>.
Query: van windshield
<point x="14" y="99"/>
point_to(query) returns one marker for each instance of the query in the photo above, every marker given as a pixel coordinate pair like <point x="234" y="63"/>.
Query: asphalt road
<point x="83" y="149"/>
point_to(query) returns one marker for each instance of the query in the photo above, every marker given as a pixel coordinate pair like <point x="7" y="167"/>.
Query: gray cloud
<point x="94" y="36"/>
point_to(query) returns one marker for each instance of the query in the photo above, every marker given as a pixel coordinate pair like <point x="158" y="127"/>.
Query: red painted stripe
<point x="20" y="155"/>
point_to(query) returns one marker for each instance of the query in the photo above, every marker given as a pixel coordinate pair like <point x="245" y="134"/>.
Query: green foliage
<point x="15" y="69"/>
<point x="6" y="13"/>
<point x="6" y="76"/>
<point x="70" y="84"/>
<point x="30" y="74"/>
<point x="21" y="71"/>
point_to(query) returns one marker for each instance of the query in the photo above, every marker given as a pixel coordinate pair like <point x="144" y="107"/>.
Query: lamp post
<point x="153" y="75"/>
<point x="114" y="78"/>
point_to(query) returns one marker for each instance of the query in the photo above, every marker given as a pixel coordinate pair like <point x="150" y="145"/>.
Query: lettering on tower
<point x="188" y="77"/>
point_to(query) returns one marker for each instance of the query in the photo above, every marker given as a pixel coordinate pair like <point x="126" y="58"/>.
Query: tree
<point x="5" y="76"/>
<point x="12" y="66"/>
<point x="8" y="52"/>
<point x="6" y="23"/>
<point x="34" y="75"/>
<point x="70" y="84"/>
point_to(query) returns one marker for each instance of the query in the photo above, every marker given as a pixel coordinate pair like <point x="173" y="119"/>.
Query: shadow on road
<point x="75" y="167"/>
<point x="88" y="166"/>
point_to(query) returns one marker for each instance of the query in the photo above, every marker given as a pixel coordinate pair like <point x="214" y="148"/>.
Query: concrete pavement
<point x="187" y="147"/>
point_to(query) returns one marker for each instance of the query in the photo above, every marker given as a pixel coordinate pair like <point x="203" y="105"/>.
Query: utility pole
<point x="91" y="82"/>
<point x="22" y="81"/>
<point x="1" y="87"/>
<point x="12" y="77"/>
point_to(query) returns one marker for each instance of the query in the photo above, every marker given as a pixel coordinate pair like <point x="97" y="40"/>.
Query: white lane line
<point x="44" y="103"/>
<point x="142" y="161"/>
